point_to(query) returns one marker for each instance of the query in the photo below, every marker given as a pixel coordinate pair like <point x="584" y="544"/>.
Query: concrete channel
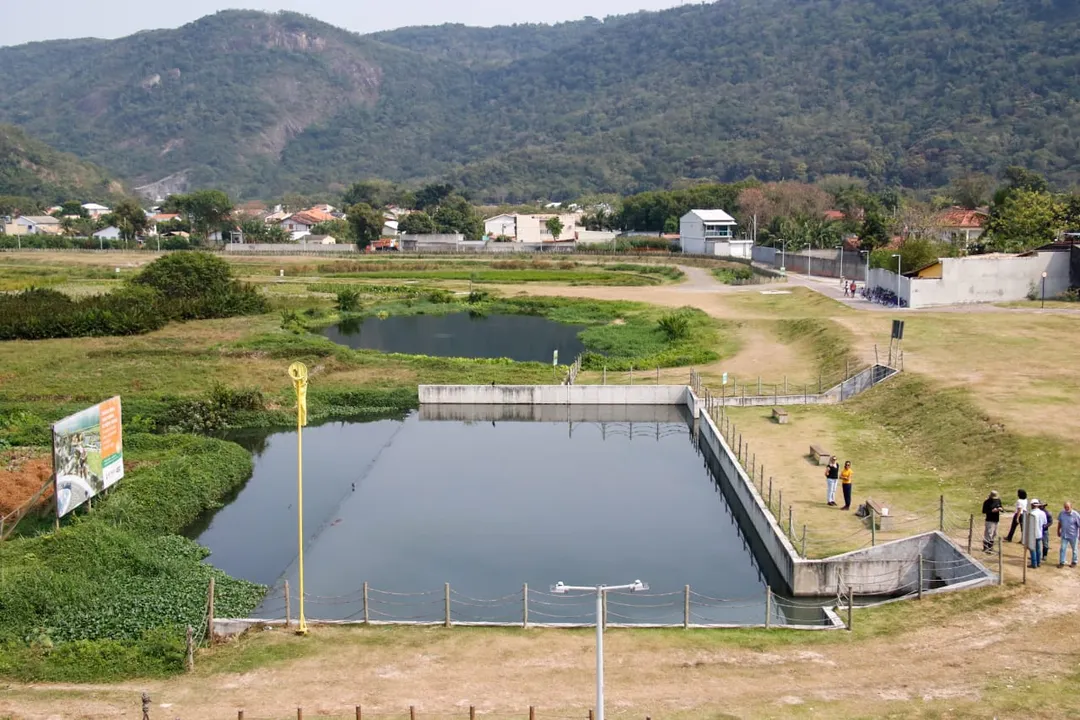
<point x="925" y="563"/>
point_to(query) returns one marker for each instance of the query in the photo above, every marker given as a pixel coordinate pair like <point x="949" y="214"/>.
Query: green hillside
<point x="913" y="92"/>
<point x="32" y="169"/>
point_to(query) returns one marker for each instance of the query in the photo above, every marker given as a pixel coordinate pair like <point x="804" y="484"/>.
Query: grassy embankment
<point x="109" y="595"/>
<point x="931" y="432"/>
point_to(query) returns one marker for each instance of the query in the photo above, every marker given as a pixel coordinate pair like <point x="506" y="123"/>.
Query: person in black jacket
<point x="832" y="477"/>
<point x="992" y="511"/>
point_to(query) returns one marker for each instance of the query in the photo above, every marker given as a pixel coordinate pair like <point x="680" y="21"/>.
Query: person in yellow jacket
<point x="845" y="483"/>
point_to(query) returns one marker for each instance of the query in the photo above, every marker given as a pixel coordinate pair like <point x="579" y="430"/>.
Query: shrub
<point x="676" y="326"/>
<point x="37" y="314"/>
<point x="348" y="299"/>
<point x="440" y="297"/>
<point x="198" y="285"/>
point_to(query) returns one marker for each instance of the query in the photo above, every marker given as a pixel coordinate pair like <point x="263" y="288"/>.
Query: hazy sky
<point x="52" y="19"/>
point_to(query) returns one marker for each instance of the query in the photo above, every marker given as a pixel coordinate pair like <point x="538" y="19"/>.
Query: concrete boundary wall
<point x="557" y="413"/>
<point x="554" y="395"/>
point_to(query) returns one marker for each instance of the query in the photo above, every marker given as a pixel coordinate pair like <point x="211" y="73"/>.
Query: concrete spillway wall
<point x="891" y="568"/>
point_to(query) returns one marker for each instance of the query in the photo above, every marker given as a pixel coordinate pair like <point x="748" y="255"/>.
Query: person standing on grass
<point x="832" y="477"/>
<point x="992" y="510"/>
<point x="1033" y="532"/>
<point x="845" y="481"/>
<point x="1068" y="530"/>
<point x="1018" y="515"/>
<point x="1046" y="530"/>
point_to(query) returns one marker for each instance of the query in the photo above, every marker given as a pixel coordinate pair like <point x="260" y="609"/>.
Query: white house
<point x="320" y="239"/>
<point x="94" y="210"/>
<point x="110" y="233"/>
<point x="533" y="228"/>
<point x="712" y="232"/>
<point x="501" y="225"/>
<point x="33" y="225"/>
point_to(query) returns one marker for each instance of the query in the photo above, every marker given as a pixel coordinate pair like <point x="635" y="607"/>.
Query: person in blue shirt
<point x="1068" y="530"/>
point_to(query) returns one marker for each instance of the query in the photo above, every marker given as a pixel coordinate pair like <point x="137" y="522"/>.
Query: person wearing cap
<point x="1046" y="530"/>
<point x="992" y="510"/>
<point x="1033" y="531"/>
<point x="1068" y="530"/>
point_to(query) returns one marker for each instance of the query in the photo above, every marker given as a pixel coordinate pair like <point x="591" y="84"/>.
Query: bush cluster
<point x="37" y="314"/>
<point x="186" y="286"/>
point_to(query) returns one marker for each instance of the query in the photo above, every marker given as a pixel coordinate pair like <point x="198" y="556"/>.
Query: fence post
<point x="941" y="513"/>
<point x="412" y="712"/>
<point x="819" y="383"/>
<point x="873" y="527"/>
<point x="753" y="462"/>
<point x="804" y="540"/>
<point x="686" y="607"/>
<point x="365" y="603"/>
<point x="359" y="713"/>
<point x="776" y="395"/>
<point x="759" y="385"/>
<point x="525" y="606"/>
<point x="472" y="712"/>
<point x="1001" y="565"/>
<point x="768" y="607"/>
<point x="780" y="509"/>
<point x="785" y="384"/>
<point x="631" y="374"/>
<point x="770" y="493"/>
<point x="190" y="648"/>
<point x="920" y="576"/>
<point x="210" y="611"/>
<point x="239" y="715"/>
<point x="446" y="596"/>
<point x="288" y="608"/>
<point x="740" y="447"/>
<point x="850" y="602"/>
<point x="791" y="521"/>
<point x="532" y="713"/>
<point x="604" y="381"/>
<point x="299" y="713"/>
<point x="971" y="531"/>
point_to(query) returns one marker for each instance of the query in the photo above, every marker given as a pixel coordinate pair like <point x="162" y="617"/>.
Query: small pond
<point x="518" y="337"/>
<point x="487" y="499"/>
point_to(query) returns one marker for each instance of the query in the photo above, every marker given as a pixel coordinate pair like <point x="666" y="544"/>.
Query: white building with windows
<point x="712" y="232"/>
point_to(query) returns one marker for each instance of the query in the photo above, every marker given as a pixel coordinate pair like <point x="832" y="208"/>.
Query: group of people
<point x="1034" y="521"/>
<point x="833" y="476"/>
<point x="849" y="288"/>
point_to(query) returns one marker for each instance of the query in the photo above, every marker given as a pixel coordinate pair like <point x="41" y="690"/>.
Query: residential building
<point x="712" y="232"/>
<point x="110" y="233"/>
<point x="160" y="219"/>
<point x="533" y="228"/>
<point x="320" y="240"/>
<point x="961" y="226"/>
<point x="94" y="210"/>
<point x="33" y="225"/>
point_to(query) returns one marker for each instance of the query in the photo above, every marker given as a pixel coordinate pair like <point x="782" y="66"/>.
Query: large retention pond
<point x="488" y="499"/>
<point x="518" y="337"/>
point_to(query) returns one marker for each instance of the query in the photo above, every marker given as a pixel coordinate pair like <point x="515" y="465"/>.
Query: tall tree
<point x="366" y="222"/>
<point x="874" y="232"/>
<point x="457" y="215"/>
<point x="206" y="210"/>
<point x="416" y="223"/>
<point x="554" y="226"/>
<point x="971" y="191"/>
<point x="1025" y="220"/>
<point x="431" y="196"/>
<point x="129" y="218"/>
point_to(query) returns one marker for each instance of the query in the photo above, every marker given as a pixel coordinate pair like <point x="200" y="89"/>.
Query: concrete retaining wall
<point x="554" y="395"/>
<point x="291" y="248"/>
<point x="557" y="413"/>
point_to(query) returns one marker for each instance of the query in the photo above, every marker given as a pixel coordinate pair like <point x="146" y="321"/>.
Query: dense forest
<point x="898" y="92"/>
<point x="33" y="174"/>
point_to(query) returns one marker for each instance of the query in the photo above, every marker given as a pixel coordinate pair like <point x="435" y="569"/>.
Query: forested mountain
<point x="912" y="92"/>
<point x="31" y="169"/>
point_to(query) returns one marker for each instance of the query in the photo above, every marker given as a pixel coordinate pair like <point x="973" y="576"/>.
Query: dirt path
<point x="663" y="674"/>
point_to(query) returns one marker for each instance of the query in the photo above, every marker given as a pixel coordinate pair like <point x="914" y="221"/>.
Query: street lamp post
<point x="897" y="279"/>
<point x="866" y="268"/>
<point x="1043" y="304"/>
<point x="636" y="586"/>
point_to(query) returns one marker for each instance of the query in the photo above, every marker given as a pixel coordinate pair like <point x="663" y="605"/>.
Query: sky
<point x="117" y="18"/>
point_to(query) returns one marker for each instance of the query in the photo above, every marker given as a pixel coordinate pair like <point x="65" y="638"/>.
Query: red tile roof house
<point x="958" y="225"/>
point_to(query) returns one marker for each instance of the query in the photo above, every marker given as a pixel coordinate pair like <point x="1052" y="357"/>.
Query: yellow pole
<point x="298" y="373"/>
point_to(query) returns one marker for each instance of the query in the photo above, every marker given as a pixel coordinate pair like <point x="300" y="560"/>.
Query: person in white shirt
<point x="1018" y="515"/>
<point x="1033" y="532"/>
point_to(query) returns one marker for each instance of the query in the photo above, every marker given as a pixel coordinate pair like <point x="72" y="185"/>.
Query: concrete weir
<point x="925" y="563"/>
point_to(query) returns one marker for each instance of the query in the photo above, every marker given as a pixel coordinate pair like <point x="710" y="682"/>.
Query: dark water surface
<point x="488" y="505"/>
<point x="518" y="337"/>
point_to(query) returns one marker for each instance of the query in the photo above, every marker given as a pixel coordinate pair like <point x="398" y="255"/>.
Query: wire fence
<point x="815" y="542"/>
<point x="529" y="607"/>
